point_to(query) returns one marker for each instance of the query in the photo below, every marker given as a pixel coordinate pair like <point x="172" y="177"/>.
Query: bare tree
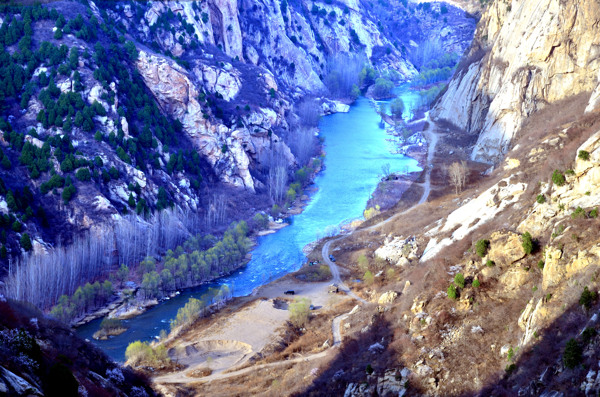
<point x="309" y="112"/>
<point x="41" y="278"/>
<point x="458" y="173"/>
<point x="342" y="74"/>
<point x="277" y="182"/>
<point x="427" y="51"/>
<point x="386" y="169"/>
<point x="303" y="144"/>
<point x="216" y="210"/>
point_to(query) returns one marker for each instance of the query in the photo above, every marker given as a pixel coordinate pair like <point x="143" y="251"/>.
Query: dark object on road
<point x="332" y="258"/>
<point x="290" y="292"/>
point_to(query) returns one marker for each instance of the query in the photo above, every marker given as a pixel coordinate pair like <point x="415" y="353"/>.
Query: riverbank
<point x="355" y="147"/>
<point x="127" y="306"/>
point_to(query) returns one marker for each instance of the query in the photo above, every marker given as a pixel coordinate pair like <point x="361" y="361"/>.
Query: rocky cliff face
<point x="177" y="91"/>
<point x="265" y="55"/>
<point x="286" y="38"/>
<point x="526" y="55"/>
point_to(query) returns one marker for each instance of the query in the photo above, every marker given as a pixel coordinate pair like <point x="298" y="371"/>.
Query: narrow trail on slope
<point x="182" y="378"/>
<point x="432" y="138"/>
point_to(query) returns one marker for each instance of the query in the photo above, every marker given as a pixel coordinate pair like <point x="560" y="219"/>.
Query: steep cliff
<point x="525" y="55"/>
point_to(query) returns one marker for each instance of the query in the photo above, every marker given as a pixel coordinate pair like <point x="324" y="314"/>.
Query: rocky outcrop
<point x="398" y="250"/>
<point x="228" y="150"/>
<point x="582" y="189"/>
<point x="505" y="248"/>
<point x="387" y="298"/>
<point x="392" y="382"/>
<point x="526" y="54"/>
<point x="461" y="222"/>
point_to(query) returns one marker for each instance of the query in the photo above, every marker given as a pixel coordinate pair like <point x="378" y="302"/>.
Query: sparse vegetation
<point x="587" y="298"/>
<point x="583" y="155"/>
<point x="459" y="280"/>
<point x="481" y="247"/>
<point x="541" y="199"/>
<point x="452" y="293"/>
<point x="558" y="178"/>
<point x="572" y="355"/>
<point x="299" y="312"/>
<point x="527" y="243"/>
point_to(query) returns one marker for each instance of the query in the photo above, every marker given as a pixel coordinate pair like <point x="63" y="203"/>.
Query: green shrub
<point x="383" y="88"/>
<point x="188" y="313"/>
<point x="594" y="213"/>
<point x="527" y="243"/>
<point x="541" y="264"/>
<point x="490" y="263"/>
<point x="459" y="279"/>
<point x="275" y="211"/>
<point x="573" y="354"/>
<point x="141" y="353"/>
<point x="541" y="199"/>
<point x="511" y="354"/>
<point x="587" y="298"/>
<point x="481" y="247"/>
<point x="588" y="334"/>
<point x="83" y="174"/>
<point x="558" y="178"/>
<point x="510" y="368"/>
<point x="299" y="312"/>
<point x="369" y="369"/>
<point x="583" y="155"/>
<point x="578" y="213"/>
<point x="26" y="242"/>
<point x="108" y="324"/>
<point x="476" y="283"/>
<point x="452" y="294"/>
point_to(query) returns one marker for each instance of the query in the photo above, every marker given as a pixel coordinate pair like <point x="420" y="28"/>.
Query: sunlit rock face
<point x="525" y="55"/>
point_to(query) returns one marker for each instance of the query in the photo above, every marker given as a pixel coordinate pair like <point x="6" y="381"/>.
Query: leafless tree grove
<point x="42" y="278"/>
<point x="216" y="210"/>
<point x="303" y="144"/>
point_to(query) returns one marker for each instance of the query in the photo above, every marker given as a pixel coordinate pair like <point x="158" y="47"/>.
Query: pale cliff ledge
<point x="526" y="54"/>
<point x="177" y="93"/>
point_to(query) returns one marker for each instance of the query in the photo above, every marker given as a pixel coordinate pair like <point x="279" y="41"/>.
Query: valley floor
<point x="249" y="336"/>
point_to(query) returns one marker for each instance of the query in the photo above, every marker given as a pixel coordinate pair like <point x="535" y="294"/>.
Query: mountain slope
<point x="525" y="55"/>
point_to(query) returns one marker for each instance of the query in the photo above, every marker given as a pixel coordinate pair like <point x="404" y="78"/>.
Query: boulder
<point x="505" y="248"/>
<point x="387" y="298"/>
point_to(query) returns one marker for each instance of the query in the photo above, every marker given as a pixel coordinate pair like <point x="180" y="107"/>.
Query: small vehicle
<point x="290" y="292"/>
<point x="332" y="258"/>
<point x="333" y="289"/>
